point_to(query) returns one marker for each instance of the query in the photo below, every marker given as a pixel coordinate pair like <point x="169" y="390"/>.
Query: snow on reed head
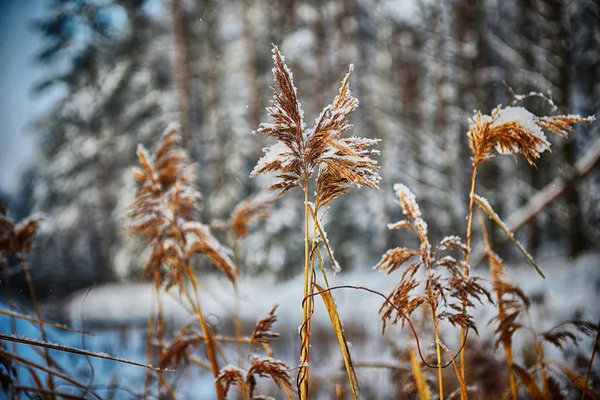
<point x="512" y="130"/>
<point x="300" y="151"/>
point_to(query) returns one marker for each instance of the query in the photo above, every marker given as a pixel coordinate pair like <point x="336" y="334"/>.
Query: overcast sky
<point x="18" y="44"/>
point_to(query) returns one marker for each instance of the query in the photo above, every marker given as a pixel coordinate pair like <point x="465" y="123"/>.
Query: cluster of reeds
<point x="164" y="213"/>
<point x="508" y="130"/>
<point x="324" y="164"/>
<point x="49" y="377"/>
<point x="316" y="157"/>
<point x="258" y="366"/>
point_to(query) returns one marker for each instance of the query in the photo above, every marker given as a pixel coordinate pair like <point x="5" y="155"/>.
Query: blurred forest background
<point x="125" y="69"/>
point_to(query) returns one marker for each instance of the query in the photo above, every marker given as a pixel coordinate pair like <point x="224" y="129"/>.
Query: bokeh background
<point x="82" y="82"/>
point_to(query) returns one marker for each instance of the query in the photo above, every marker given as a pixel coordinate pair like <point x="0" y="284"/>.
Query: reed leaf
<point x="339" y="332"/>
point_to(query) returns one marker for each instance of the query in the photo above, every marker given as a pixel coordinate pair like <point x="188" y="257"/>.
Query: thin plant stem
<point x="591" y="363"/>
<point x="38" y="315"/>
<point x="13" y="321"/>
<point x="47" y="370"/>
<point x="508" y="343"/>
<point x="237" y="323"/>
<point x="210" y="350"/>
<point x="150" y="334"/>
<point x="463" y="331"/>
<point x="159" y="337"/>
<point x="438" y="350"/>
<point x="438" y="353"/>
<point x="305" y="332"/>
<point x="539" y="351"/>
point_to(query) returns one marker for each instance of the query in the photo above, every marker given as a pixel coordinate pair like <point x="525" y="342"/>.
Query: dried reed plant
<point x="16" y="240"/>
<point x="513" y="307"/>
<point x="510" y="130"/>
<point x="258" y="366"/>
<point x="511" y="302"/>
<point x="250" y="210"/>
<point x="446" y="287"/>
<point x="164" y="213"/>
<point x="301" y="152"/>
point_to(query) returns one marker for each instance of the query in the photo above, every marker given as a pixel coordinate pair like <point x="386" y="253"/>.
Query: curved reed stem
<point x="208" y="337"/>
<point x="38" y="315"/>
<point x="463" y="332"/>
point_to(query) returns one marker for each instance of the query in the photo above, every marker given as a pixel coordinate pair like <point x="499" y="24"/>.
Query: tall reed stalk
<point x="446" y="285"/>
<point x="302" y="155"/>
<point x="509" y="130"/>
<point x="164" y="213"/>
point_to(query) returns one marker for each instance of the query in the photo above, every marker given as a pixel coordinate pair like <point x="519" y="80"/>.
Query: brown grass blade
<point x="487" y="208"/>
<point x="529" y="382"/>
<point x="50" y="393"/>
<point x="591" y="363"/>
<point x="339" y="332"/>
<point x="464" y="394"/>
<point x="74" y="350"/>
<point x="52" y="324"/>
<point x="575" y="378"/>
<point x="31" y="365"/>
<point x="422" y="387"/>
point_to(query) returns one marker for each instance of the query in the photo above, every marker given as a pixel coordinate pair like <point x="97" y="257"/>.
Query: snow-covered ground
<point x="118" y="313"/>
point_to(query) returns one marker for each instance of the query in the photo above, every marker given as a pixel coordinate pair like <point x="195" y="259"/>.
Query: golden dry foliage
<point x="16" y="239"/>
<point x="177" y="352"/>
<point x="569" y="331"/>
<point x="441" y="289"/>
<point x="420" y="381"/>
<point x="512" y="130"/>
<point x="254" y="208"/>
<point x="164" y="213"/>
<point x="448" y="294"/>
<point x="258" y="367"/>
<point x="164" y="210"/>
<point x="262" y="331"/>
<point x="299" y="150"/>
<point x="341" y="337"/>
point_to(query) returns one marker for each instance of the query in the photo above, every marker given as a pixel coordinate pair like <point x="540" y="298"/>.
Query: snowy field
<point x="118" y="313"/>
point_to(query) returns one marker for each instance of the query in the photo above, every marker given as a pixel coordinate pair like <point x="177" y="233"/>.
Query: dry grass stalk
<point x="16" y="241"/>
<point x="164" y="213"/>
<point x="444" y="293"/>
<point x="591" y="363"/>
<point x="258" y="367"/>
<point x="512" y="304"/>
<point x="8" y="372"/>
<point x="510" y="130"/>
<point x="299" y="152"/>
<point x="250" y="210"/>
<point x="420" y="382"/>
<point x="509" y="301"/>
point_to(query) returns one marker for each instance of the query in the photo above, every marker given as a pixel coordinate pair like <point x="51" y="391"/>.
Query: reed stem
<point x="463" y="331"/>
<point x="307" y="299"/>
<point x="438" y="350"/>
<point x="208" y="337"/>
<point x="38" y="315"/>
<point x="237" y="322"/>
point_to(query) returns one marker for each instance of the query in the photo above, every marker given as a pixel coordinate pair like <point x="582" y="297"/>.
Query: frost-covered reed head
<point x="300" y="151"/>
<point x="253" y="208"/>
<point x="512" y="130"/>
<point x="446" y="286"/>
<point x="164" y="213"/>
<point x="16" y="238"/>
<point x="258" y="366"/>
